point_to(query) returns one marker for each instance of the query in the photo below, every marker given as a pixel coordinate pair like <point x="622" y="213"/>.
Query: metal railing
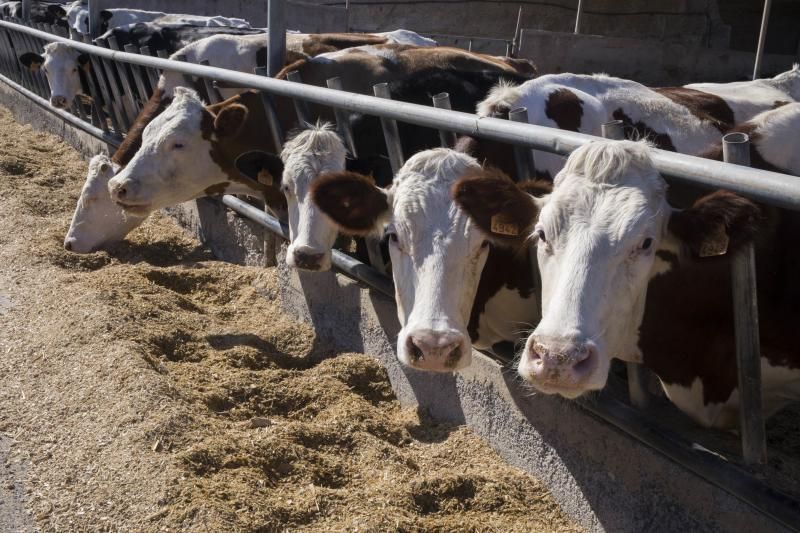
<point x="111" y="66"/>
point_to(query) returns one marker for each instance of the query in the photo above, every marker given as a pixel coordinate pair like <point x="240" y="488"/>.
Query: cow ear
<point x="230" y="120"/>
<point x="31" y="60"/>
<point x="83" y="61"/>
<point x="352" y="201"/>
<point x="106" y="15"/>
<point x="499" y="207"/>
<point x="716" y="224"/>
<point x="261" y="166"/>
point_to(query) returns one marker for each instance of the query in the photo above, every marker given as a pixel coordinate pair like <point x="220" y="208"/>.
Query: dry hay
<point x="151" y="388"/>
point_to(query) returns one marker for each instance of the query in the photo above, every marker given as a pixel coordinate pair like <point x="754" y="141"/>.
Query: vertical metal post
<point x="736" y="150"/>
<point x="95" y="6"/>
<point x="26" y="10"/>
<point x="613" y="130"/>
<point x="762" y="37"/>
<point x="187" y="79"/>
<point x="213" y="95"/>
<point x="390" y="131"/>
<point x="638" y="375"/>
<point x="300" y="106"/>
<point x="342" y="120"/>
<point x="105" y="89"/>
<point x="276" y="53"/>
<point x="98" y="115"/>
<point x="132" y="107"/>
<point x="578" y="14"/>
<point x="152" y="74"/>
<point x="126" y="112"/>
<point x="138" y="75"/>
<point x="515" y="44"/>
<point x="442" y="101"/>
<point x="523" y="157"/>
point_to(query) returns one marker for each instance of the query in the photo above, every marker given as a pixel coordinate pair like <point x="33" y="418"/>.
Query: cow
<point x="359" y="70"/>
<point x="77" y="15"/>
<point x="41" y="12"/>
<point x="453" y="289"/>
<point x="625" y="275"/>
<point x="683" y="119"/>
<point x="98" y="220"/>
<point x="312" y="235"/>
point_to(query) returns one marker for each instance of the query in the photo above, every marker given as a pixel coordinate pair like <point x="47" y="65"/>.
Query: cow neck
<point x="687" y="329"/>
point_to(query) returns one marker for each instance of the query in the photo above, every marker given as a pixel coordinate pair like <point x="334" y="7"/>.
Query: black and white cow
<point x="41" y="12"/>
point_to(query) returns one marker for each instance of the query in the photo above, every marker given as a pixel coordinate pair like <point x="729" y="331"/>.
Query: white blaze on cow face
<point x="61" y="65"/>
<point x="98" y="221"/>
<point x="437" y="253"/>
<point x="305" y="157"/>
<point x="597" y="238"/>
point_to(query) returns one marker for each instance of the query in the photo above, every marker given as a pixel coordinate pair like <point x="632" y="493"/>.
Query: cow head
<point x="600" y="240"/>
<point x="437" y="253"/>
<point x="98" y="221"/>
<point x="62" y="66"/>
<point x="188" y="151"/>
<point x="309" y="154"/>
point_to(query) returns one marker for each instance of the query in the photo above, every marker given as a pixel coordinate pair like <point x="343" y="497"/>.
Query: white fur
<point x="401" y="36"/>
<point x="98" y="221"/>
<point x="307" y="155"/>
<point x="777" y="131"/>
<point x="748" y="98"/>
<point x="605" y="203"/>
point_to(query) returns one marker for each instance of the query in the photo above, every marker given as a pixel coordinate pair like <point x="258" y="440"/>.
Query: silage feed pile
<point x="151" y="388"/>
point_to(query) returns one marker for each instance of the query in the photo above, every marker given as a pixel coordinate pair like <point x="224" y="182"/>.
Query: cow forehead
<point x="59" y="52"/>
<point x="183" y="115"/>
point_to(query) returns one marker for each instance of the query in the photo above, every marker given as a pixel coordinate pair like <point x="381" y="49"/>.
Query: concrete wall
<point x="646" y="61"/>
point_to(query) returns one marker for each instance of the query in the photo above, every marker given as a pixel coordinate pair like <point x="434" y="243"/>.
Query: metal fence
<point x="122" y="81"/>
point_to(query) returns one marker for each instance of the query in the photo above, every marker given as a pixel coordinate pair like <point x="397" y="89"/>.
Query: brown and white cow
<point x="451" y="285"/>
<point x="682" y="119"/>
<point x="159" y="177"/>
<point x="625" y="275"/>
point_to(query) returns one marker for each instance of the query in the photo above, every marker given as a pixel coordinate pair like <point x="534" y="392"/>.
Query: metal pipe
<point x="138" y="76"/>
<point x="515" y="43"/>
<point x="131" y="107"/>
<point x="736" y="150"/>
<point x="442" y="101"/>
<point x="92" y="81"/>
<point x="26" y="10"/>
<point x="578" y="14"/>
<point x="390" y="131"/>
<point x="276" y="53"/>
<point x="343" y="120"/>
<point x="762" y="38"/>
<point x="339" y="260"/>
<point x="211" y="91"/>
<point x="152" y="73"/>
<point x="523" y="157"/>
<point x="273" y="123"/>
<point x="126" y="115"/>
<point x="769" y="187"/>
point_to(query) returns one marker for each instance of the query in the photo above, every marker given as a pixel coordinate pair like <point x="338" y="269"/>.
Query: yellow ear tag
<point x="716" y="244"/>
<point x="502" y="225"/>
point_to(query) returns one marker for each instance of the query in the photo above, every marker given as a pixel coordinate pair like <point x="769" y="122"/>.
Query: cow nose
<point x="68" y="244"/>
<point x="306" y="258"/>
<point x="58" y="101"/>
<point x="118" y="190"/>
<point x="560" y="362"/>
<point x="439" y="351"/>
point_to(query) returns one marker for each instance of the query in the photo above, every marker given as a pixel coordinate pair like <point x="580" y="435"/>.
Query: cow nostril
<point x="68" y="246"/>
<point x="121" y="192"/>
<point x="413" y="349"/>
<point x="454" y="356"/>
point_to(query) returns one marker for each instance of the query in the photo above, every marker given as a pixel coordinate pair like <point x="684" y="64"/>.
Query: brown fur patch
<point x="719" y="213"/>
<point x="320" y="43"/>
<point x="565" y="109"/>
<point x="133" y="140"/>
<point x="488" y="195"/>
<point x="351" y="200"/>
<point x="779" y="103"/>
<point x="230" y="120"/>
<point x="705" y="106"/>
<point x="640" y="130"/>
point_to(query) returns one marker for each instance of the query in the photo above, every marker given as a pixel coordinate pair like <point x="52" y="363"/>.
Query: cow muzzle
<point x="308" y="258"/>
<point x="59" y="101"/>
<point x="560" y="365"/>
<point x="435" y="350"/>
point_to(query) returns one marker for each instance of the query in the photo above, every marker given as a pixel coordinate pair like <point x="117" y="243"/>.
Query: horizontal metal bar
<point x="768" y="187"/>
<point x="341" y="261"/>
<point x="106" y="137"/>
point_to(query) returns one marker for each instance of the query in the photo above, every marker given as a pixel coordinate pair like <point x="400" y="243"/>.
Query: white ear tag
<point x="502" y="225"/>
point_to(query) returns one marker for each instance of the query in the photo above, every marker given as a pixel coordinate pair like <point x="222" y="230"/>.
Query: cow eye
<point x="177" y="146"/>
<point x="484" y="245"/>
<point x="647" y="243"/>
<point x="540" y="234"/>
<point x="75" y="69"/>
<point x="392" y="237"/>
